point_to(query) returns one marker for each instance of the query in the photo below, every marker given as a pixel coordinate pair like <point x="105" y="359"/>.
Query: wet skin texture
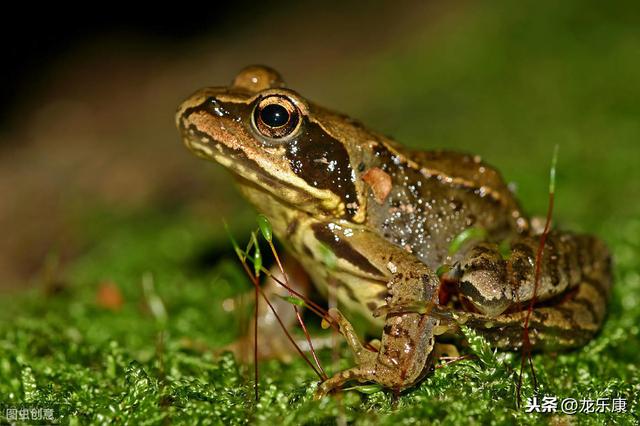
<point x="390" y="215"/>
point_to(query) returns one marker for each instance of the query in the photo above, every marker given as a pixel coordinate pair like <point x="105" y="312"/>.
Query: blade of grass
<point x="310" y="304"/>
<point x="464" y="236"/>
<point x="267" y="233"/>
<point x="257" y="264"/>
<point x="243" y="257"/>
<point x="526" y="346"/>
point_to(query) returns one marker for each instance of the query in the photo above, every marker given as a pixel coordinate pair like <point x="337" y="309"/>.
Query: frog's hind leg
<point x="559" y="320"/>
<point x="571" y="323"/>
<point x="496" y="284"/>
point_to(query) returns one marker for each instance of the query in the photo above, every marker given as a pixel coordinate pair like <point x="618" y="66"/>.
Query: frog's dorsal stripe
<point x="445" y="177"/>
<point x="459" y="182"/>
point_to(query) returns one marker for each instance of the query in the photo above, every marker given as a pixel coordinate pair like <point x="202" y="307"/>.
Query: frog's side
<point x="389" y="216"/>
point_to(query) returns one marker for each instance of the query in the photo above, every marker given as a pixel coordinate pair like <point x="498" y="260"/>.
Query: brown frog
<point x="390" y="216"/>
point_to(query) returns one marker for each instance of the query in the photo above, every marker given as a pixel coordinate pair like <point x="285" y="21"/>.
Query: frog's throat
<point x="275" y="198"/>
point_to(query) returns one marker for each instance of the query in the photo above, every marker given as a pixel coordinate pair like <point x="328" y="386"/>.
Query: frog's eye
<point x="276" y="117"/>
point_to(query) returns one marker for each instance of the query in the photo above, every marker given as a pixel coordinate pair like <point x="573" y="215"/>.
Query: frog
<point x="389" y="215"/>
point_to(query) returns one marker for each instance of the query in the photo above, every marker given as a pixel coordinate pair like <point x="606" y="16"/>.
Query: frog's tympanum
<point x="390" y="215"/>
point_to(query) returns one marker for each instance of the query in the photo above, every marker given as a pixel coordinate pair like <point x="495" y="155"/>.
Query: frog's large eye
<point x="276" y="117"/>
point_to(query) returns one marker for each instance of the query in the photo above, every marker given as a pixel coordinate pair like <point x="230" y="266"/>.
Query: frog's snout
<point x="178" y="116"/>
<point x="181" y="116"/>
<point x="185" y="109"/>
<point x="184" y="119"/>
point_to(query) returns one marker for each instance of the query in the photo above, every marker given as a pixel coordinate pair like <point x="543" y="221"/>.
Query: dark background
<point x="31" y="40"/>
<point x="88" y="95"/>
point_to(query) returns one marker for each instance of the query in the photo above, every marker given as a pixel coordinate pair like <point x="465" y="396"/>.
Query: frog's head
<point x="278" y="143"/>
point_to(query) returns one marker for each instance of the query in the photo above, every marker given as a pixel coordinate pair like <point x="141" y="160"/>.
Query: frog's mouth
<point x="274" y="192"/>
<point x="250" y="175"/>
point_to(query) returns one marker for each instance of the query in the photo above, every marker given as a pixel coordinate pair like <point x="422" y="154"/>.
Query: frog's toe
<point x="336" y="381"/>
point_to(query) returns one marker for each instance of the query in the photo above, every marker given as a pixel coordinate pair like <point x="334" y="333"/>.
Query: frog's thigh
<point x="570" y="323"/>
<point x="493" y="283"/>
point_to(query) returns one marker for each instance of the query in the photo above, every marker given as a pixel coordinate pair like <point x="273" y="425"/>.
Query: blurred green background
<point x="98" y="193"/>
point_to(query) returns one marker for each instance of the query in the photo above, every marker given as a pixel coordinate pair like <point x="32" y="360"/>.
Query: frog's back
<point x="438" y="194"/>
<point x="462" y="167"/>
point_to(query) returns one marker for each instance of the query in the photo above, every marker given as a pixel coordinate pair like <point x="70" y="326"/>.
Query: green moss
<point x="93" y="364"/>
<point x="510" y="82"/>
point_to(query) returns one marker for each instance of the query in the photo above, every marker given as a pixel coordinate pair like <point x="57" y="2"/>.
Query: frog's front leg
<point x="404" y="356"/>
<point x="408" y="336"/>
<point x="365" y="358"/>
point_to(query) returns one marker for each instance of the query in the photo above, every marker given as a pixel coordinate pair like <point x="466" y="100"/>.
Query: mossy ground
<point x="511" y="82"/>
<point x="94" y="365"/>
